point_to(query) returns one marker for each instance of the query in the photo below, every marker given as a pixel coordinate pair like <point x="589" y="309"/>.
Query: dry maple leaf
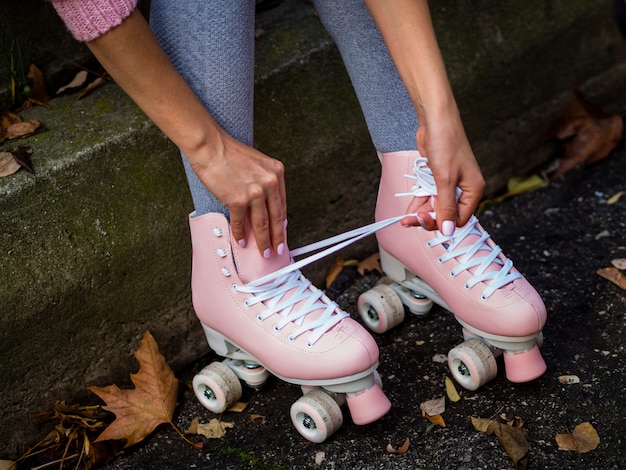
<point x="583" y="439"/>
<point x="140" y="410"/>
<point x="38" y="92"/>
<point x="371" y="263"/>
<point x="587" y="133"/>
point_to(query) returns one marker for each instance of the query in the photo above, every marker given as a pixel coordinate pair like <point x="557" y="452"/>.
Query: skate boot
<point x="263" y="316"/>
<point x="467" y="273"/>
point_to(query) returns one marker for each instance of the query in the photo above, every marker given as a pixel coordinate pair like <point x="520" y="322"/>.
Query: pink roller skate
<point x="263" y="316"/>
<point x="500" y="312"/>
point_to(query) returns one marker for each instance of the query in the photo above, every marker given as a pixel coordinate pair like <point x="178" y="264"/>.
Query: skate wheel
<point x="472" y="364"/>
<point x="380" y="308"/>
<point x="316" y="416"/>
<point x="217" y="387"/>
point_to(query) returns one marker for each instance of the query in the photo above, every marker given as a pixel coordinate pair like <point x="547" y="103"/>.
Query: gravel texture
<point x="558" y="237"/>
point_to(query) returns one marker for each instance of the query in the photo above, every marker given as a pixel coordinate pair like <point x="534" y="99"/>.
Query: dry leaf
<point x="22" y="156"/>
<point x="38" y="92"/>
<point x="78" y="80"/>
<point x="254" y="417"/>
<point x="320" y="457"/>
<point x="569" y="379"/>
<point x="214" y="429"/>
<point x="453" y="395"/>
<point x="613" y="275"/>
<point x="140" y="410"/>
<point x="619" y="263"/>
<point x="583" y="439"/>
<point x="8" y="164"/>
<point x="238" y="407"/>
<point x="334" y="271"/>
<point x="613" y="199"/>
<point x="21" y="129"/>
<point x="587" y="133"/>
<point x="371" y="263"/>
<point x="7" y="465"/>
<point x="436" y="419"/>
<point x="433" y="407"/>
<point x="513" y="439"/>
<point x="97" y="83"/>
<point x="401" y="450"/>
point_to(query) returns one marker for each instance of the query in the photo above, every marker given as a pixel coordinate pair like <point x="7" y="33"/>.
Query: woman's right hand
<point x="249" y="183"/>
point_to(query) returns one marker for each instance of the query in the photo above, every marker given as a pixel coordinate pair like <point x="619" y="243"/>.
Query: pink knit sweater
<point x="89" y="19"/>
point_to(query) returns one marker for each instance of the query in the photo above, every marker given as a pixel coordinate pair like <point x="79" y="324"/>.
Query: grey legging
<point x="211" y="44"/>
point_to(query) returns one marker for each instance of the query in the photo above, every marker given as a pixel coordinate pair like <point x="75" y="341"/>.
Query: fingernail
<point x="267" y="253"/>
<point x="242" y="243"/>
<point x="447" y="228"/>
<point x="280" y="249"/>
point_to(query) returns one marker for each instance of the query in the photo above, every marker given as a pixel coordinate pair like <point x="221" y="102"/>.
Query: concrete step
<point x="96" y="245"/>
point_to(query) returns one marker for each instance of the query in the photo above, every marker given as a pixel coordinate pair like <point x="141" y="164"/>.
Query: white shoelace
<point x="281" y="290"/>
<point x="425" y="187"/>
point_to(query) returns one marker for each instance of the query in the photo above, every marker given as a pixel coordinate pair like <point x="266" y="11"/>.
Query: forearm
<point x="132" y="56"/>
<point x="407" y="29"/>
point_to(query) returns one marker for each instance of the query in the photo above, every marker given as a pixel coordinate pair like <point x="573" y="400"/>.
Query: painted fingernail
<point x="447" y="228"/>
<point x="242" y="243"/>
<point x="267" y="253"/>
<point x="280" y="249"/>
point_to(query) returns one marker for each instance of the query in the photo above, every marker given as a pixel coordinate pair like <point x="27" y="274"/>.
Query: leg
<point x="466" y="273"/>
<point x="211" y="44"/>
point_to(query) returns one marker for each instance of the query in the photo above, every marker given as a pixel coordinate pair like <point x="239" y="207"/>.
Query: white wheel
<point x="217" y="387"/>
<point x="472" y="364"/>
<point x="380" y="308"/>
<point x="316" y="416"/>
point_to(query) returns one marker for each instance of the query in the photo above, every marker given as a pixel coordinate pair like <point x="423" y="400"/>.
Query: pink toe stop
<point x="368" y="406"/>
<point x="524" y="366"/>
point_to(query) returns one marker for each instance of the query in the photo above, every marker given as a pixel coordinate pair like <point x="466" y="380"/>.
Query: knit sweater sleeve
<point x="89" y="19"/>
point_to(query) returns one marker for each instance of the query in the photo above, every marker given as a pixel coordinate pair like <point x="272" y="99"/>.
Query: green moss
<point x="250" y="458"/>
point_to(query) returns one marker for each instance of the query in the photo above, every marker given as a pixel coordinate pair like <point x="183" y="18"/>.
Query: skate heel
<point x="392" y="266"/>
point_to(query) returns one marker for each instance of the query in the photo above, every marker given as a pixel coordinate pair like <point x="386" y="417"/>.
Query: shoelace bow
<point x="467" y="255"/>
<point x="281" y="290"/>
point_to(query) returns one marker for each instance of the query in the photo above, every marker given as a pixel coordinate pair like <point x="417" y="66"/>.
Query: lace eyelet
<point x="453" y="274"/>
<point x="225" y="272"/>
<point x="259" y="318"/>
<point x="291" y="338"/>
<point x="309" y="344"/>
<point x="483" y="297"/>
<point x="440" y="260"/>
<point x="217" y="232"/>
<point x="429" y="244"/>
<point x="466" y="287"/>
<point x="221" y="252"/>
<point x="246" y="302"/>
<point x="278" y="329"/>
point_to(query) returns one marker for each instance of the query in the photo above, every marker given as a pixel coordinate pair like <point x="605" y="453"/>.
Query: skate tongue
<point x="250" y="264"/>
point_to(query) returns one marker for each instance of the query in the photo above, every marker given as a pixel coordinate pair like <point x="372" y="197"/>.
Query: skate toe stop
<point x="369" y="405"/>
<point x="524" y="366"/>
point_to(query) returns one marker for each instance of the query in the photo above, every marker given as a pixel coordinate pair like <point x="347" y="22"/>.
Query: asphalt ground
<point x="558" y="236"/>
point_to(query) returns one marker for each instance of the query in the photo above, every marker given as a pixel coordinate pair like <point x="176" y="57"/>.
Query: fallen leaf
<point x="433" y="407"/>
<point x="583" y="439"/>
<point x="587" y="133"/>
<point x="238" y="407"/>
<point x="401" y="450"/>
<point x="214" y="429"/>
<point x="338" y="264"/>
<point x="21" y="129"/>
<point x="152" y="402"/>
<point x="7" y="465"/>
<point x="613" y="275"/>
<point x="569" y="379"/>
<point x="254" y="417"/>
<point x="436" y="419"/>
<point x="97" y="83"/>
<point x="613" y="199"/>
<point x="320" y="457"/>
<point x="513" y="439"/>
<point x="22" y="156"/>
<point x="79" y="80"/>
<point x="8" y="164"/>
<point x="453" y="395"/>
<point x="38" y="92"/>
<point x="619" y="263"/>
<point x="371" y="263"/>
